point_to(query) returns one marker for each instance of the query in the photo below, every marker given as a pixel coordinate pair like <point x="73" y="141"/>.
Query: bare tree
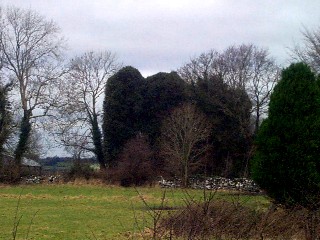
<point x="264" y="76"/>
<point x="81" y="92"/>
<point x="30" y="47"/>
<point x="202" y="67"/>
<point x="246" y="67"/>
<point x="184" y="139"/>
<point x="309" y="52"/>
<point x="235" y="65"/>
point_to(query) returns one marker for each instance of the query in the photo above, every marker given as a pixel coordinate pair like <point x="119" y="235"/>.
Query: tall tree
<point x="123" y="110"/>
<point x="82" y="94"/>
<point x="31" y="47"/>
<point x="244" y="67"/>
<point x="286" y="162"/>
<point x="228" y="110"/>
<point x="5" y="114"/>
<point x="309" y="51"/>
<point x="184" y="140"/>
<point x="162" y="93"/>
<point x="5" y="118"/>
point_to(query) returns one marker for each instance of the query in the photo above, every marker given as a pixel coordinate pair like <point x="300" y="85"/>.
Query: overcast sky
<point x="161" y="35"/>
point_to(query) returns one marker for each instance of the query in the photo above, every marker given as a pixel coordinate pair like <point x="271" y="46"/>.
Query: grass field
<point x="72" y="212"/>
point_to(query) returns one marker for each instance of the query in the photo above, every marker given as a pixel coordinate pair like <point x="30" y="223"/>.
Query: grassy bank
<point x="87" y="211"/>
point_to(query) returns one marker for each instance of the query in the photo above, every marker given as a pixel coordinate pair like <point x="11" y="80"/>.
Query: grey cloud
<point x="161" y="35"/>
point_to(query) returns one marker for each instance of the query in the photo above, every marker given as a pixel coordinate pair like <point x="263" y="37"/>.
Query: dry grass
<point x="225" y="220"/>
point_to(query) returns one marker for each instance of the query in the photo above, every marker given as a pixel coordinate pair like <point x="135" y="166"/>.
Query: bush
<point x="79" y="170"/>
<point x="134" y="164"/>
<point x="10" y="173"/>
<point x="233" y="220"/>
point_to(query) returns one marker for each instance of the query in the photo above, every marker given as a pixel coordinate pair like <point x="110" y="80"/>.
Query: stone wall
<point x="215" y="183"/>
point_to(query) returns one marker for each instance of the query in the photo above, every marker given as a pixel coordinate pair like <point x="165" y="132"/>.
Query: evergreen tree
<point x="287" y="159"/>
<point x="123" y="110"/>
<point x="5" y="118"/>
<point x="163" y="92"/>
<point x="228" y="110"/>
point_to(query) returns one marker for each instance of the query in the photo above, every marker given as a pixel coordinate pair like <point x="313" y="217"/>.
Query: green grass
<point x="88" y="211"/>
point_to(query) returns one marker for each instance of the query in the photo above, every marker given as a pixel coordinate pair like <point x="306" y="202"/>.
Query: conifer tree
<point x="5" y="118"/>
<point x="287" y="158"/>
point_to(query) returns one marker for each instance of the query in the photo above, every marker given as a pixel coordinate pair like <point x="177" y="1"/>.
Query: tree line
<point x="230" y="113"/>
<point x="223" y="95"/>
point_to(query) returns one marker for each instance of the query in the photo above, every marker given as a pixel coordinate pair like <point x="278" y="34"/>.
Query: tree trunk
<point x="25" y="130"/>
<point x="257" y="122"/>
<point x="97" y="141"/>
<point x="185" y="175"/>
<point x="22" y="146"/>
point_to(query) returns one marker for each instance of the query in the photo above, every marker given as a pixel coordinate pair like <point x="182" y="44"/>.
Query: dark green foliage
<point x="136" y="105"/>
<point x="287" y="158"/>
<point x="123" y="108"/>
<point x="5" y="118"/>
<point x="164" y="91"/>
<point x="97" y="142"/>
<point x="25" y="129"/>
<point x="228" y="110"/>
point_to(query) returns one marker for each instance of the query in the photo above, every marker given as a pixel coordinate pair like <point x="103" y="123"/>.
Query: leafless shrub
<point x="221" y="219"/>
<point x="10" y="174"/>
<point x="135" y="166"/>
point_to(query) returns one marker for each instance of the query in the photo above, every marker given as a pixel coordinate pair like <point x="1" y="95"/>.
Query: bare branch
<point x="81" y="100"/>
<point x="309" y="52"/>
<point x="246" y="67"/>
<point x="30" y="51"/>
<point x="184" y="138"/>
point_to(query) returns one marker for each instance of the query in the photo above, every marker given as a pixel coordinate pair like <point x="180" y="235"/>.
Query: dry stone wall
<point x="215" y="183"/>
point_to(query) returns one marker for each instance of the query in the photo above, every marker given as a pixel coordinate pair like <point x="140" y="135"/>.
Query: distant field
<point x="87" y="211"/>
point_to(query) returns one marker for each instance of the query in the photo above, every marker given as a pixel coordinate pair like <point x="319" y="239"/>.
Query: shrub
<point x="134" y="164"/>
<point x="10" y="173"/>
<point x="233" y="220"/>
<point x="79" y="170"/>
